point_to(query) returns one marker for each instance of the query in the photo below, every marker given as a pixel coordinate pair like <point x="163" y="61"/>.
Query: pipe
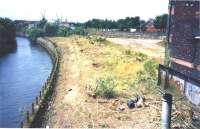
<point x="166" y="111"/>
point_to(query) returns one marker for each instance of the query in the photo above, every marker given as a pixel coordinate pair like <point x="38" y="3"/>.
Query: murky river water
<point x="22" y="74"/>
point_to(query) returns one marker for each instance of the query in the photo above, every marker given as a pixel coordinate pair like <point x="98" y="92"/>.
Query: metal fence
<point x="186" y="97"/>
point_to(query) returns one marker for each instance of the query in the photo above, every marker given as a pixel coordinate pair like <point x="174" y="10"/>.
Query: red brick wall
<point x="184" y="25"/>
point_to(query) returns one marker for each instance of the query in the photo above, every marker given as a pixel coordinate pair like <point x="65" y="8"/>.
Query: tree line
<point x="121" y="24"/>
<point x="45" y="28"/>
<point x="160" y="23"/>
<point x="7" y="35"/>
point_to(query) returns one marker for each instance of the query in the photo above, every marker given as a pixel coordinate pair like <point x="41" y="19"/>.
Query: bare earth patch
<point x="147" y="46"/>
<point x="82" y="64"/>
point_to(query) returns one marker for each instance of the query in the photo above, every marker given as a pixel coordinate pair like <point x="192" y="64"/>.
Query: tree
<point x="64" y="31"/>
<point x="42" y="23"/>
<point x="51" y="29"/>
<point x="7" y="35"/>
<point x="122" y="24"/>
<point x="35" y="32"/>
<point x="160" y="22"/>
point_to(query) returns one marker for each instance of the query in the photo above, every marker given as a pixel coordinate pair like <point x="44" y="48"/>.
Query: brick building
<point x="183" y="36"/>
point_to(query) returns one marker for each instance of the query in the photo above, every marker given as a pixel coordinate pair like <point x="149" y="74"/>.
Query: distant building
<point x="70" y="25"/>
<point x="184" y="36"/>
<point x="25" y="22"/>
<point x="149" y="27"/>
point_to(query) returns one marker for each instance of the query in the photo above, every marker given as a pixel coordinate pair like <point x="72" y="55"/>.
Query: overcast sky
<point x="82" y="10"/>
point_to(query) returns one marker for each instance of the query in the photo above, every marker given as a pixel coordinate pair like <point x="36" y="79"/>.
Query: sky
<point x="81" y="10"/>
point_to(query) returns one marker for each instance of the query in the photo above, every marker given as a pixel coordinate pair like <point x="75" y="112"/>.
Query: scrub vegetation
<point x="96" y="78"/>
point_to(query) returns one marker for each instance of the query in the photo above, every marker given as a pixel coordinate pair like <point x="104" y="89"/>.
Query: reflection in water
<point x="22" y="74"/>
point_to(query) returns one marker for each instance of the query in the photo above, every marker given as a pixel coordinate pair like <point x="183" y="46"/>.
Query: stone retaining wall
<point x="34" y="118"/>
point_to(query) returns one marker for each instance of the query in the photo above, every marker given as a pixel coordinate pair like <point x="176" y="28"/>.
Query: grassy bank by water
<point x="96" y="77"/>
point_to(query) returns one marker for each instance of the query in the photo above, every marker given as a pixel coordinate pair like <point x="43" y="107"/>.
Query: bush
<point x="151" y="67"/>
<point x="105" y="88"/>
<point x="128" y="52"/>
<point x="50" y="29"/>
<point x="79" y="31"/>
<point x="100" y="39"/>
<point x="147" y="77"/>
<point x="64" y="31"/>
<point x="141" y="56"/>
<point x="35" y="32"/>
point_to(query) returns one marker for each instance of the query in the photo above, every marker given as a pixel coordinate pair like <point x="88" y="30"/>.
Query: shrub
<point x="151" y="67"/>
<point x="105" y="88"/>
<point x="128" y="52"/>
<point x="64" y="31"/>
<point x="34" y="32"/>
<point x="100" y="39"/>
<point x="79" y="31"/>
<point x="50" y="29"/>
<point x="141" y="56"/>
<point x="147" y="77"/>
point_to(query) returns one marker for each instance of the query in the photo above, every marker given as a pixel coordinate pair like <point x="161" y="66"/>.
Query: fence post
<point x="27" y="115"/>
<point x="40" y="95"/>
<point x="21" y="124"/>
<point x="159" y="76"/>
<point x="166" y="111"/>
<point x="37" y="100"/>
<point x="33" y="109"/>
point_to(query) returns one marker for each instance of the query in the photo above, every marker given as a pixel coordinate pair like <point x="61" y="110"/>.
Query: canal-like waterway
<point x="22" y="74"/>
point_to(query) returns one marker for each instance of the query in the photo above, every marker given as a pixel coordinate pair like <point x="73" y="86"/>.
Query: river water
<point x="22" y="74"/>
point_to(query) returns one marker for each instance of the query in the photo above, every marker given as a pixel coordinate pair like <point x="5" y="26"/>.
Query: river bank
<point x="85" y="62"/>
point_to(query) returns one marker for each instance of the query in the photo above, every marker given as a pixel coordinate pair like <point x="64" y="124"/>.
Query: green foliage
<point x="50" y="29"/>
<point x="79" y="31"/>
<point x="64" y="31"/>
<point x="148" y="77"/>
<point x="7" y="35"/>
<point x="42" y="23"/>
<point x="99" y="39"/>
<point x="161" y="22"/>
<point x="167" y="60"/>
<point x="141" y="56"/>
<point x="122" y="24"/>
<point x="128" y="52"/>
<point x="151" y="67"/>
<point x="35" y="32"/>
<point x="105" y="88"/>
<point x="128" y="22"/>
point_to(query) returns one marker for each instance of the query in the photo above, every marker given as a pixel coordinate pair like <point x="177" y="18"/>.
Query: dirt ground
<point x="73" y="107"/>
<point x="147" y="46"/>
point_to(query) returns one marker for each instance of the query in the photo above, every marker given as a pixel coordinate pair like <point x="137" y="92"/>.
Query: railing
<point x="179" y="85"/>
<point x="43" y="95"/>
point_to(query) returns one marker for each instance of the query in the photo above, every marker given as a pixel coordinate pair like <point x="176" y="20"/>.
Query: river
<point x="22" y="74"/>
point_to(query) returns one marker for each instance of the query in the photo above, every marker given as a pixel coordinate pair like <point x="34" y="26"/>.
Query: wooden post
<point x="166" y="85"/>
<point x="37" y="100"/>
<point x="40" y="95"/>
<point x="45" y="86"/>
<point x="27" y="116"/>
<point x="21" y="124"/>
<point x="33" y="109"/>
<point x="159" y="76"/>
